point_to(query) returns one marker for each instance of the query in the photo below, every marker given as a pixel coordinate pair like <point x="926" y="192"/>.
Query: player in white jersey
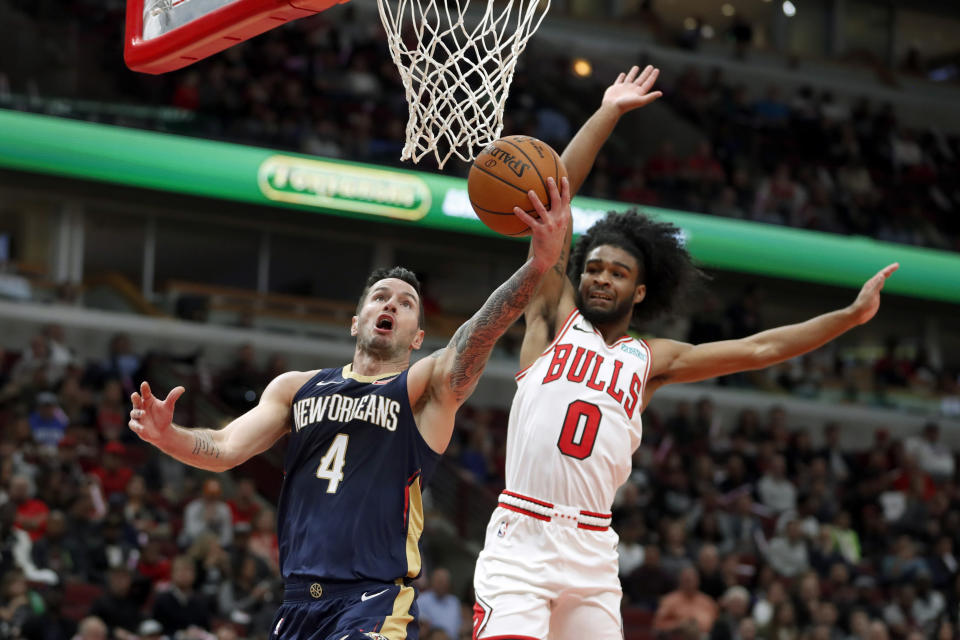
<point x="549" y="564"/>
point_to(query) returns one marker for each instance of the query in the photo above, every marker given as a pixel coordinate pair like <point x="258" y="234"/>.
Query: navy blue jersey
<point x="355" y="466"/>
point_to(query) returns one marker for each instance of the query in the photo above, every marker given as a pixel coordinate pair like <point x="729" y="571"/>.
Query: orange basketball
<point x="503" y="173"/>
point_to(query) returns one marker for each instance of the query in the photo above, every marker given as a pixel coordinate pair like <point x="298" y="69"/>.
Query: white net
<point x="456" y="69"/>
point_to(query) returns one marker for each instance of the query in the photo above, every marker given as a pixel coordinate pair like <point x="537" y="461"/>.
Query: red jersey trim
<point x="646" y="372"/>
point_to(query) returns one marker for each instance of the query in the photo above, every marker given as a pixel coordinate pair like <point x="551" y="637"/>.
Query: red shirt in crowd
<point x="243" y="513"/>
<point x="114" y="481"/>
<point x="32" y="518"/>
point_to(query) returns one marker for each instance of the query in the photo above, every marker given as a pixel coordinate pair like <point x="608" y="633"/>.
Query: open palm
<point x="633" y="89"/>
<point x="151" y="417"/>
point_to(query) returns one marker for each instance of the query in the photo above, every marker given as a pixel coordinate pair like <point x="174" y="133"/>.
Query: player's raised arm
<point x="679" y="362"/>
<point x="450" y="375"/>
<point x="215" y="449"/>
<point x="554" y="299"/>
<point x="629" y="91"/>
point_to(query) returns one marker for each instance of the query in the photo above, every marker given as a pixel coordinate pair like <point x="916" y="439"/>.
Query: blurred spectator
<point x="648" y="582"/>
<point x="241" y="383"/>
<point x="112" y="413"/>
<point x="118" y="609"/>
<point x="91" y="628"/>
<point x="784" y="625"/>
<point x="438" y="606"/>
<point x="928" y="606"/>
<point x="114" y="474"/>
<point x="932" y="457"/>
<point x="250" y="598"/>
<point x="943" y="563"/>
<point x="153" y="565"/>
<point x="48" y="422"/>
<point x="903" y="563"/>
<point x="59" y="550"/>
<point x="31" y="512"/>
<point x="708" y="568"/>
<point x="629" y="549"/>
<point x="180" y="607"/>
<point x="898" y="614"/>
<point x="775" y="490"/>
<point x="150" y="629"/>
<point x="787" y="552"/>
<point x="687" y="607"/>
<point x="244" y="505"/>
<point x="51" y="623"/>
<point x="122" y="363"/>
<point x="208" y="513"/>
<point x="735" y="605"/>
<point x="780" y="199"/>
<point x="263" y="539"/>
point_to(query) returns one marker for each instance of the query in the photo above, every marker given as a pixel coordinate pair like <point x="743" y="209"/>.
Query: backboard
<point x="164" y="35"/>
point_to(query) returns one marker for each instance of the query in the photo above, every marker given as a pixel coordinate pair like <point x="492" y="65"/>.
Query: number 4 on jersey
<point x="331" y="464"/>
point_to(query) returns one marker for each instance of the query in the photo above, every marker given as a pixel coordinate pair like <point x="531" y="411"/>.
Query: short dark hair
<point x="399" y="273"/>
<point x="658" y="247"/>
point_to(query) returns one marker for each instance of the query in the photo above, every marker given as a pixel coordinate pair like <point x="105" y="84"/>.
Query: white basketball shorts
<point x="543" y="574"/>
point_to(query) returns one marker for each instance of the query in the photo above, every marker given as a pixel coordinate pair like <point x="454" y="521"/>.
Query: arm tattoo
<point x="475" y="339"/>
<point x="203" y="445"/>
<point x="561" y="267"/>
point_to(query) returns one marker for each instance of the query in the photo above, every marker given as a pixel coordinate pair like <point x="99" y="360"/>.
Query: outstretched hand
<point x="632" y="90"/>
<point x="548" y="226"/>
<point x="151" y="417"/>
<point x="868" y="301"/>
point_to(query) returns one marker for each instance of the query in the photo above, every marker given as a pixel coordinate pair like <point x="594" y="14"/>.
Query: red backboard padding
<point x="214" y="32"/>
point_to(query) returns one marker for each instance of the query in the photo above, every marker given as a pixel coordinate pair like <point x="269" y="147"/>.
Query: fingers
<point x="145" y="391"/>
<point x="888" y="270"/>
<point x="175" y="393"/>
<point x="535" y="201"/>
<point x="642" y="78"/>
<point x="135" y="400"/>
<point x="649" y="76"/>
<point x="565" y="191"/>
<point x="526" y="218"/>
<point x="553" y="192"/>
<point x="632" y="75"/>
<point x="135" y="426"/>
<point x="620" y="78"/>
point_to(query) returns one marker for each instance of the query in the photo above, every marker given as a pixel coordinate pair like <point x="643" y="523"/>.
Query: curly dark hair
<point x="665" y="266"/>
<point x="399" y="273"/>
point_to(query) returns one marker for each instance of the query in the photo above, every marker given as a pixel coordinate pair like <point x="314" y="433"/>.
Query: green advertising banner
<point x="59" y="147"/>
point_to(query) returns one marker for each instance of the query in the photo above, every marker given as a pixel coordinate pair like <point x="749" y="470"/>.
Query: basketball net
<point x="456" y="75"/>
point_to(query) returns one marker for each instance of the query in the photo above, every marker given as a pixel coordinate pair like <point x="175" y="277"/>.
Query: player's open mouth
<point x="384" y="324"/>
<point x="602" y="297"/>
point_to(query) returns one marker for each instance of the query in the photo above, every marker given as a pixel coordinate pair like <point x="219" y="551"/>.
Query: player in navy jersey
<point x="364" y="439"/>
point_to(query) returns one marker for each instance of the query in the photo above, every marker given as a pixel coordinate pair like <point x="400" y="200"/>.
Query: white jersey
<point x="575" y="420"/>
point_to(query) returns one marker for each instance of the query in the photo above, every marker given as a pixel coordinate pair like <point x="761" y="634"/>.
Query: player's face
<point x="389" y="318"/>
<point x="608" y="285"/>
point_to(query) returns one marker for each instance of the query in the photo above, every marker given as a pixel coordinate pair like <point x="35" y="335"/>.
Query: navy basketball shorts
<point x="346" y="611"/>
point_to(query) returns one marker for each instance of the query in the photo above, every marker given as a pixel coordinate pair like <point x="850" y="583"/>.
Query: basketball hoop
<point x="457" y="73"/>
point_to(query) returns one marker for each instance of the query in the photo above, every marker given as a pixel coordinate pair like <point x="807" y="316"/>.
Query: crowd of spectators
<point x="733" y="530"/>
<point x="750" y="530"/>
<point x="327" y="86"/>
<point x="103" y="538"/>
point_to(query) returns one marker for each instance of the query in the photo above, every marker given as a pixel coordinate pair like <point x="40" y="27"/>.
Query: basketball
<point x="503" y="173"/>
